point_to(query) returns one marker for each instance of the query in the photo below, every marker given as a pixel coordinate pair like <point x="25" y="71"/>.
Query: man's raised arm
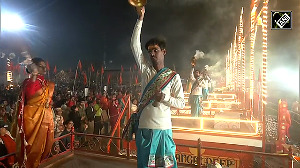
<point x="136" y="38"/>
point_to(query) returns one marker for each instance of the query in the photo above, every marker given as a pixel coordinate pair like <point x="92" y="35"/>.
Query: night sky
<point x="99" y="31"/>
<point x="96" y="30"/>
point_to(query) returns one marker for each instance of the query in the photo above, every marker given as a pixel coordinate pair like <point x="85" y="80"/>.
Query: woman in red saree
<point x="35" y="131"/>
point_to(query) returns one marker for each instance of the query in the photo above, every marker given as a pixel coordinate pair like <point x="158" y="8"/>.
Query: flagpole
<point x="90" y="78"/>
<point x="101" y="79"/>
<point x="75" y="78"/>
<point x="97" y="80"/>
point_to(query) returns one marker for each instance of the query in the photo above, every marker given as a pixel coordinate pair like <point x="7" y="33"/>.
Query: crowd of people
<point x="95" y="113"/>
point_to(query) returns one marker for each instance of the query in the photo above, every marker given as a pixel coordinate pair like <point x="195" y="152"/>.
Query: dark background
<point x="99" y="31"/>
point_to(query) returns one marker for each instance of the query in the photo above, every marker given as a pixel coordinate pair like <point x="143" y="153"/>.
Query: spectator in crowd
<point x="98" y="120"/>
<point x="81" y="109"/>
<point x="65" y="142"/>
<point x="90" y="113"/>
<point x="114" y="112"/>
<point x="58" y="122"/>
<point x="65" y="111"/>
<point x="6" y="106"/>
<point x="75" y="117"/>
<point x="58" y="101"/>
<point x="104" y="101"/>
<point x="4" y="117"/>
<point x="71" y="102"/>
<point x="12" y="113"/>
<point x="105" y="120"/>
<point x="7" y="144"/>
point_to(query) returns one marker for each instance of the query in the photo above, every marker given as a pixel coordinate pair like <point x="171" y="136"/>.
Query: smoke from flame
<point x="27" y="57"/>
<point x="199" y="54"/>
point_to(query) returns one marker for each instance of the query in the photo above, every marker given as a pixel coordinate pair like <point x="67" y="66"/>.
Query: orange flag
<point x="79" y="65"/>
<point x="108" y="79"/>
<point x="92" y="68"/>
<point x="54" y="71"/>
<point x="120" y="80"/>
<point x="47" y="66"/>
<point x="102" y="70"/>
<point x="136" y="80"/>
<point x="84" y="78"/>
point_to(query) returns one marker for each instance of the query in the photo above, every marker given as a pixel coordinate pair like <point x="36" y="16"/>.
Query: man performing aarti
<point x="162" y="90"/>
<point x="35" y="127"/>
<point x="195" y="98"/>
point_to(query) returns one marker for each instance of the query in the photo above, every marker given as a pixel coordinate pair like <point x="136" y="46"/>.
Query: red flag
<point x="122" y="68"/>
<point x="120" y="80"/>
<point x="102" y="70"/>
<point x="136" y="80"/>
<point x="135" y="67"/>
<point x="108" y="79"/>
<point x="92" y="68"/>
<point x="54" y="71"/>
<point x="79" y="65"/>
<point x="47" y="66"/>
<point x="84" y="78"/>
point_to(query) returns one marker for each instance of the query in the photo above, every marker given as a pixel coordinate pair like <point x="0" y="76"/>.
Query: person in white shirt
<point x="195" y="98"/>
<point x="205" y="89"/>
<point x="162" y="90"/>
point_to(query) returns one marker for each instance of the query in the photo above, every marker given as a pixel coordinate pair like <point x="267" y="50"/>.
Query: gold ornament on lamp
<point x="137" y="3"/>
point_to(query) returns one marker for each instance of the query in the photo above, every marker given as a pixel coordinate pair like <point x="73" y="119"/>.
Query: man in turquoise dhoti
<point x="162" y="88"/>
<point x="195" y="98"/>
